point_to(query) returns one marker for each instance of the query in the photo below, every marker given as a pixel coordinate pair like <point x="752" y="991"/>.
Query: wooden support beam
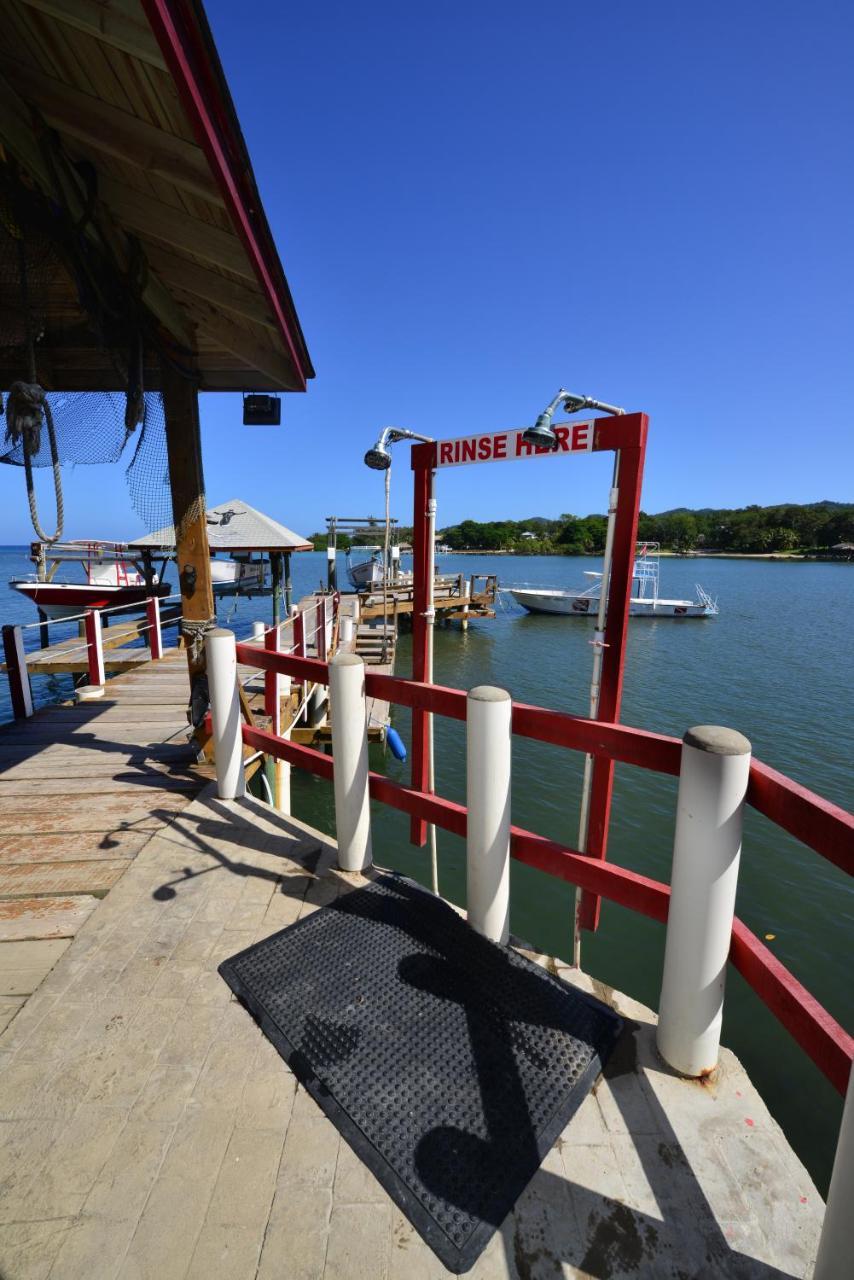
<point x="119" y="23"/>
<point x="242" y="343"/>
<point x="211" y="287"/>
<point x="186" y="481"/>
<point x="113" y="132"/>
<point x="149" y="217"/>
<point x="18" y="136"/>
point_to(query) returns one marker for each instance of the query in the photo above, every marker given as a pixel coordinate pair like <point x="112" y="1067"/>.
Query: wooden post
<point x="289" y="603"/>
<point x="16" y="669"/>
<point x="192" y="553"/>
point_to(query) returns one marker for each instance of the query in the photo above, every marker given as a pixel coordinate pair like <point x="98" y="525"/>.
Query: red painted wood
<point x="271" y="683"/>
<point x="618" y="884"/>
<point x="616" y="741"/>
<point x="320" y="628"/>
<point x="285" y="663"/>
<point x="819" y="1035"/>
<point x="294" y="752"/>
<point x="814" y="1029"/>
<point x="437" y="698"/>
<point x="421" y="569"/>
<point x="616" y="633"/>
<point x="820" y="824"/>
<point x="628" y="431"/>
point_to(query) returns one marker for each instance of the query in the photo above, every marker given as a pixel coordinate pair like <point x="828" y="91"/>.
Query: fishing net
<point x="83" y="427"/>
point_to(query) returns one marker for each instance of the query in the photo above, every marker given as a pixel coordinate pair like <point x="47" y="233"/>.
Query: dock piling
<point x="225" y="713"/>
<point x="350" y="757"/>
<point x="488" y="759"/>
<point x="19" y="677"/>
<point x="706" y="852"/>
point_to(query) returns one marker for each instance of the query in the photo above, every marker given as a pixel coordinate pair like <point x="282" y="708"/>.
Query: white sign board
<point x="506" y="446"/>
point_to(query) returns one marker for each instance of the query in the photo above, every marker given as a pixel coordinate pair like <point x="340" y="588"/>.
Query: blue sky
<point x="476" y="203"/>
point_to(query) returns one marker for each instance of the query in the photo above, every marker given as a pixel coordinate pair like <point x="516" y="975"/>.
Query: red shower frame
<point x="626" y="436"/>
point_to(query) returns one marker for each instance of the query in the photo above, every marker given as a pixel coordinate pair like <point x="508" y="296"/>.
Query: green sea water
<point x="776" y="664"/>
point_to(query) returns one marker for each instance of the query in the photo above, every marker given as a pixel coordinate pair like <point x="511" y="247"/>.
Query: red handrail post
<point x="299" y="650"/>
<point x="95" y="648"/>
<point x="616" y="633"/>
<point x="272" y="699"/>
<point x="421" y="567"/>
<point x="16" y="669"/>
<point x="155" y="635"/>
<point x="320" y="626"/>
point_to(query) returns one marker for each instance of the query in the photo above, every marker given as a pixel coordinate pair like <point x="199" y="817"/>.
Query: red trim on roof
<point x="176" y="30"/>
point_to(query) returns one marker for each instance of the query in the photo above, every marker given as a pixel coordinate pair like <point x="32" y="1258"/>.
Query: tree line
<point x="810" y="528"/>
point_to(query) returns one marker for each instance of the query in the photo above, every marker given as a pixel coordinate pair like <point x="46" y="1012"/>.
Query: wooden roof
<point x="135" y="90"/>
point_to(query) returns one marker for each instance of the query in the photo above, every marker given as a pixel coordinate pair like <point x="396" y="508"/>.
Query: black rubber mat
<point x="450" y="1064"/>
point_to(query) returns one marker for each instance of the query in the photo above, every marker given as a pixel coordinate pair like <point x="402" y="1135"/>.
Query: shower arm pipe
<point x="595" y="689"/>
<point x="573" y="403"/>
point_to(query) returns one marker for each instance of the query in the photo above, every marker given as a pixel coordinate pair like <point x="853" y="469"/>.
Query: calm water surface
<point x="775" y="664"/>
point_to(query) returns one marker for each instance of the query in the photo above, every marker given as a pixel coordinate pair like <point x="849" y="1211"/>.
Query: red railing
<point x="824" y="827"/>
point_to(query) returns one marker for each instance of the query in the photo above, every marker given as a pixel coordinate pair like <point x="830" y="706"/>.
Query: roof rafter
<point x="115" y="132"/>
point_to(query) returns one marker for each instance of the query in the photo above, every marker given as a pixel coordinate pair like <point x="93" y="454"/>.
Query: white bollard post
<point x="225" y="713"/>
<point x="350" y="758"/>
<point x="836" y="1245"/>
<point x="346" y="628"/>
<point x="488" y="754"/>
<point x="706" y="852"/>
<point x="258" y="631"/>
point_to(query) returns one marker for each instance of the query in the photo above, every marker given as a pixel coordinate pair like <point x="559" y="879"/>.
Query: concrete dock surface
<point x="151" y="1132"/>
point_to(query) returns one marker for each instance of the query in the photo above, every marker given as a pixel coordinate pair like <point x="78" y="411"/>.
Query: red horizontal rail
<point x="815" y="1030"/>
<point x="821" y="825"/>
<point x="817" y="822"/>
<point x="827" y="1043"/>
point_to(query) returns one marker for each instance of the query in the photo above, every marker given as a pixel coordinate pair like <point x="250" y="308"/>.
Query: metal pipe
<point x="488" y="767"/>
<point x="595" y="688"/>
<point x="706" y="853"/>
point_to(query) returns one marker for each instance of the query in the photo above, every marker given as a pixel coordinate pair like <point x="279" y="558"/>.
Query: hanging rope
<point x="26" y="405"/>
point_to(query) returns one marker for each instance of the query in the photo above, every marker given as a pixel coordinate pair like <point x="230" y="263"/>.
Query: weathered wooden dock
<point x="83" y="787"/>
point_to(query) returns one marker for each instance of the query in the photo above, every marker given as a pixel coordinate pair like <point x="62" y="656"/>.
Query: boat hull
<point x="69" y="599"/>
<point x="575" y="605"/>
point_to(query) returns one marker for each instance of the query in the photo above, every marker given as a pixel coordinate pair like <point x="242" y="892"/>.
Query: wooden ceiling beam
<point x="241" y="343"/>
<point x="18" y="137"/>
<point x="113" y="132"/>
<point x="119" y="23"/>
<point x="149" y="217"/>
<point x="210" y="286"/>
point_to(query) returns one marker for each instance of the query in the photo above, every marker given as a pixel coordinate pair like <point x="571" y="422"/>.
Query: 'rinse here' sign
<point x="506" y="446"/>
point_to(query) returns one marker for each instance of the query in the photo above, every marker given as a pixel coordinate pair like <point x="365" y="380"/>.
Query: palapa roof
<point x="234" y="526"/>
<point x="119" y="135"/>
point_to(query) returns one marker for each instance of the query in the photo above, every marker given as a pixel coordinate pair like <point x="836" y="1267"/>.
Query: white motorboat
<point x="236" y="576"/>
<point x="645" y="600"/>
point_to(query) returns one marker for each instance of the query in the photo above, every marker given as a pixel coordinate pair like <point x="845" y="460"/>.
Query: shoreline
<point x="798" y="557"/>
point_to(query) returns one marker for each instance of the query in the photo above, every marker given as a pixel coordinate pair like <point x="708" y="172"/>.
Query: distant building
<point x="528" y="534"/>
<point x="843" y="550"/>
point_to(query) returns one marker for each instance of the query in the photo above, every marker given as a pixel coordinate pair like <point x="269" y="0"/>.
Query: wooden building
<point x="120" y="150"/>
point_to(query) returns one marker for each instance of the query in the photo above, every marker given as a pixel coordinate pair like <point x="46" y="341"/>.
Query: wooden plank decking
<point x="83" y="788"/>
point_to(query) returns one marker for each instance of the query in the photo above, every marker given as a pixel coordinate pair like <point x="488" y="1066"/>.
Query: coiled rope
<point x="26" y="405"/>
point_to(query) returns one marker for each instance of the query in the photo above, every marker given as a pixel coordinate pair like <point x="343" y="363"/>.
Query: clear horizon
<point x="468" y="222"/>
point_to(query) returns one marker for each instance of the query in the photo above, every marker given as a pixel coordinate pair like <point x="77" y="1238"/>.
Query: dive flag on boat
<point x="506" y="446"/>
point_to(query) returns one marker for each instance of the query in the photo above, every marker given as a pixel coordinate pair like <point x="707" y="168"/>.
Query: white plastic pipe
<point x="258" y="630"/>
<point x="488" y="753"/>
<point x="706" y="852"/>
<point x="346" y="628"/>
<point x="836" y="1246"/>
<point x="350" y="757"/>
<point x="225" y="713"/>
